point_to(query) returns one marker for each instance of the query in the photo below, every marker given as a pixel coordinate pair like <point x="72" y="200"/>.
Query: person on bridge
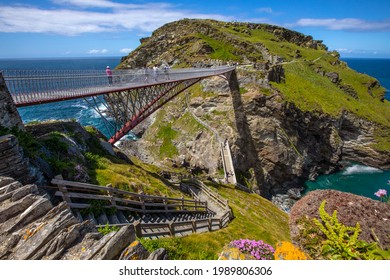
<point x="109" y="75"/>
<point x="155" y="73"/>
<point x="166" y="73"/>
<point x="146" y="74"/>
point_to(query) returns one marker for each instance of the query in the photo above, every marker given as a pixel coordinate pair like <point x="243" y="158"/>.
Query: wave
<point x="81" y="106"/>
<point x="360" y="169"/>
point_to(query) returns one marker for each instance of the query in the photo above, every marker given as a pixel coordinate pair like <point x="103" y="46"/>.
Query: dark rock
<point x="333" y="77"/>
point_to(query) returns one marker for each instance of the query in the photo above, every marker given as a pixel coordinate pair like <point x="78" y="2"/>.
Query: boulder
<point x="135" y="251"/>
<point x="159" y="254"/>
<point x="42" y="232"/>
<point x="39" y="208"/>
<point x="17" y="207"/>
<point x="117" y="243"/>
<point x="372" y="215"/>
<point x="23" y="191"/>
<point x="5" y="181"/>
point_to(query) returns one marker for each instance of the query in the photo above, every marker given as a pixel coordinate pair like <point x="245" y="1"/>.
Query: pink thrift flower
<point x="381" y="193"/>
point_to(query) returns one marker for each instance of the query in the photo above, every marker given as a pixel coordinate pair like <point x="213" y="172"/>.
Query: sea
<point x="355" y="178"/>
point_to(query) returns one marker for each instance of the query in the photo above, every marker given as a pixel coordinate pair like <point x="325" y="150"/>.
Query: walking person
<point x="109" y="75"/>
<point x="146" y="74"/>
<point x="166" y="69"/>
<point x="155" y="73"/>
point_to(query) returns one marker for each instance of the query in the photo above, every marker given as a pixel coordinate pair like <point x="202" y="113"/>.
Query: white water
<point x="360" y="169"/>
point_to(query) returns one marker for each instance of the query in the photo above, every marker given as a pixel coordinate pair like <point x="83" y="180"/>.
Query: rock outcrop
<point x="32" y="228"/>
<point x="9" y="116"/>
<point x="372" y="215"/>
<point x="13" y="163"/>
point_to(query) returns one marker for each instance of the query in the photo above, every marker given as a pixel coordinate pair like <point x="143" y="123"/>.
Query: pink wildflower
<point x="381" y="193"/>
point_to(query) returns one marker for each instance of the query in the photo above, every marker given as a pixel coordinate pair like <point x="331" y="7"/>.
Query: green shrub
<point x="342" y="242"/>
<point x="107" y="229"/>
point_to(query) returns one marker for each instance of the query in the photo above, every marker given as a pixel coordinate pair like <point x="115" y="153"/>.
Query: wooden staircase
<point x="152" y="216"/>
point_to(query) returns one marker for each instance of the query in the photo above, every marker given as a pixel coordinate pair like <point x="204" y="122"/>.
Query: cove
<point x="355" y="178"/>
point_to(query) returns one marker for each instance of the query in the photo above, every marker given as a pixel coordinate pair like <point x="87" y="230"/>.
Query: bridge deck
<point x="37" y="87"/>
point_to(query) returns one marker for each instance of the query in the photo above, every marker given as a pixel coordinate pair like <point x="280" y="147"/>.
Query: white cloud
<point x="125" y="50"/>
<point x="266" y="10"/>
<point x="76" y="18"/>
<point x="96" y="51"/>
<point x="360" y="52"/>
<point x="351" y="24"/>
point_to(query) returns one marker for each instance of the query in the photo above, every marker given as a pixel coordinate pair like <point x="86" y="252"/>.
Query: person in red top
<point x="109" y="74"/>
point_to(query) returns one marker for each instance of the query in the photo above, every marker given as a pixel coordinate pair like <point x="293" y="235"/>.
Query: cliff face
<point x="299" y="112"/>
<point x="9" y="116"/>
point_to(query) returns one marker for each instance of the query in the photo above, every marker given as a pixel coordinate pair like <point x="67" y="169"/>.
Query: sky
<point x="93" y="28"/>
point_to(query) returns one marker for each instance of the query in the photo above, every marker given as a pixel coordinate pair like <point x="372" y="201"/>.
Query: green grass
<point x="221" y="50"/>
<point x="315" y="93"/>
<point x="255" y="218"/>
<point x="134" y="177"/>
<point x="167" y="135"/>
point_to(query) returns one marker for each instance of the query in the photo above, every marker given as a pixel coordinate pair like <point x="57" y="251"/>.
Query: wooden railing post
<point x="182" y="202"/>
<point x="193" y="223"/>
<point x="63" y="189"/>
<point x="111" y="195"/>
<point x="210" y="224"/>
<point x="165" y="203"/>
<point x="141" y="199"/>
<point x="171" y="229"/>
<point x="138" y="229"/>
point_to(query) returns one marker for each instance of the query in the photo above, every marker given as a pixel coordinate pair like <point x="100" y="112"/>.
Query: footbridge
<point x="123" y="100"/>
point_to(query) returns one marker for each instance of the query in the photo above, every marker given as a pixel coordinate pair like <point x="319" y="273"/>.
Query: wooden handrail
<point x="68" y="190"/>
<point x="168" y="204"/>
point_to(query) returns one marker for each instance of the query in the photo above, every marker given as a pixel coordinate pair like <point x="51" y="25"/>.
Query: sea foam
<point x="360" y="169"/>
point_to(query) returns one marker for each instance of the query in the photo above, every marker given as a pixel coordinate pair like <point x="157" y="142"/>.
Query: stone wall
<point x="9" y="115"/>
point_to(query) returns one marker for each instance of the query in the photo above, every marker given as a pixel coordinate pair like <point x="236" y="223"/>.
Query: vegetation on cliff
<point x="80" y="157"/>
<point x="296" y="99"/>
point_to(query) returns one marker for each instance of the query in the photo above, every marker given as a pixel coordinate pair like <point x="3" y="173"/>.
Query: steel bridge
<point x="123" y="101"/>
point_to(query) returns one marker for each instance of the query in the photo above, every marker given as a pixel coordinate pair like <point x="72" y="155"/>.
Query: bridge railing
<point x="47" y="84"/>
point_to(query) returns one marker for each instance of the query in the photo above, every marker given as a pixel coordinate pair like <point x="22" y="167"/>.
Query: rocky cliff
<point x="9" y="116"/>
<point x="299" y="112"/>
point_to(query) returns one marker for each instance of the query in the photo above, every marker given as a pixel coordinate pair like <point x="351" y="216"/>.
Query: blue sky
<point x="83" y="28"/>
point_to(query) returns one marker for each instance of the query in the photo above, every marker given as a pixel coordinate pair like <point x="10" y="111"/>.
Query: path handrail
<point x="138" y="202"/>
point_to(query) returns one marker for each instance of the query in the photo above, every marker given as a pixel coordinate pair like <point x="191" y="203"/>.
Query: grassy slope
<point x="255" y="218"/>
<point x="313" y="92"/>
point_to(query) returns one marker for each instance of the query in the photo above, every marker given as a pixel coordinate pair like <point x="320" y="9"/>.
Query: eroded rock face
<point x="9" y="116"/>
<point x="372" y="215"/>
<point x="32" y="228"/>
<point x="13" y="163"/>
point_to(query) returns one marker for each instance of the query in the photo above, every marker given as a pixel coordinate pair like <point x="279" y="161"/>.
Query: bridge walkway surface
<point x="31" y="87"/>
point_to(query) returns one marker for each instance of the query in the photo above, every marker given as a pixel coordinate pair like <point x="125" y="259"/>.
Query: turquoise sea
<point x="358" y="179"/>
